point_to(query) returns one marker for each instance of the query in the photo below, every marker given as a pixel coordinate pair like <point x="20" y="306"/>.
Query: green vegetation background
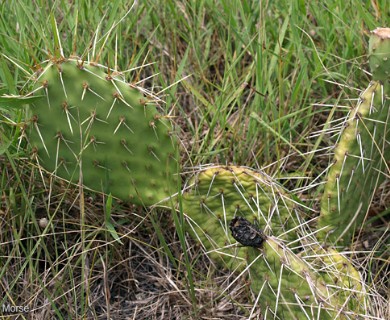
<point x="252" y="83"/>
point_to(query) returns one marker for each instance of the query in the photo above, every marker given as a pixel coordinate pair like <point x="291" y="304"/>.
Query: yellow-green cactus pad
<point x="216" y="195"/>
<point x="291" y="286"/>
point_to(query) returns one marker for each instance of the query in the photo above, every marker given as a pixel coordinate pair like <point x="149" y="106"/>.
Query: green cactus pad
<point x="359" y="163"/>
<point x="379" y="49"/>
<point x="309" y="282"/>
<point x="216" y="195"/>
<point x="288" y="286"/>
<point x="336" y="269"/>
<point x="94" y="122"/>
<point x="362" y="154"/>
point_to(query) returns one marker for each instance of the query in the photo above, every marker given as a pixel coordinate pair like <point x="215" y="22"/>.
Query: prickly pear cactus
<point x="309" y="282"/>
<point x="92" y="124"/>
<point x="216" y="195"/>
<point x="335" y="268"/>
<point x="379" y="51"/>
<point x="362" y="154"/>
<point x="291" y="286"/>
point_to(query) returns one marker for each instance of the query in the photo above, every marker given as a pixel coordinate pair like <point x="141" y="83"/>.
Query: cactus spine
<point x="361" y="154"/>
<point x="92" y="122"/>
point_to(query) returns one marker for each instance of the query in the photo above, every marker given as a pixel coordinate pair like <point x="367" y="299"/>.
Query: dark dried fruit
<point x="246" y="233"/>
